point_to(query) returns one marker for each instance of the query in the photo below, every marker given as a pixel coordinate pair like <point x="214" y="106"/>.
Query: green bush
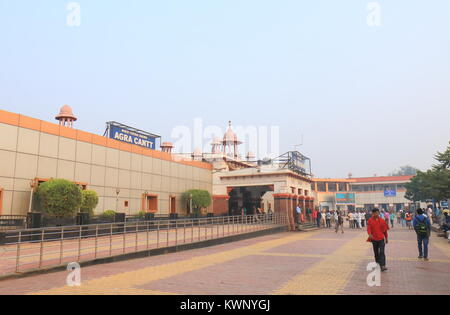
<point x="200" y="199"/>
<point x="108" y="214"/>
<point x="59" y="198"/>
<point x="141" y="214"/>
<point x="89" y="201"/>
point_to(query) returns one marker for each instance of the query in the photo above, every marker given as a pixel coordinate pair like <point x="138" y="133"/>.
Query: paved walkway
<point x="53" y="253"/>
<point x="319" y="262"/>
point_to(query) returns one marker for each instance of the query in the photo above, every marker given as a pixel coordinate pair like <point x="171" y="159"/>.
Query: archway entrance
<point x="248" y="197"/>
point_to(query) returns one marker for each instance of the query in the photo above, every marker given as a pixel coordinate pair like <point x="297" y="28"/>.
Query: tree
<point x="443" y="160"/>
<point x="59" y="198"/>
<point x="89" y="201"/>
<point x="433" y="184"/>
<point x="200" y="199"/>
<point x="404" y="170"/>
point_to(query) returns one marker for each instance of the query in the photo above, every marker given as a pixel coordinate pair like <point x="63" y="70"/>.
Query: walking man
<point x="339" y="221"/>
<point x="358" y="219"/>
<point x="328" y="219"/>
<point x="299" y="213"/>
<point x="378" y="235"/>
<point x="318" y="218"/>
<point x="422" y="226"/>
<point x="392" y="217"/>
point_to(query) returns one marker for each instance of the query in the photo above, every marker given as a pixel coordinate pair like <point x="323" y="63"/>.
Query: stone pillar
<point x="283" y="205"/>
<point x="220" y="205"/>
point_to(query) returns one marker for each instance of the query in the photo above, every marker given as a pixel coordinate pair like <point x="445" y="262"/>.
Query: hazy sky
<point x="367" y="99"/>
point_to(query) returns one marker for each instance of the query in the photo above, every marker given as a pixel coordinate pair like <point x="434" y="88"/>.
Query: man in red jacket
<point x="378" y="235"/>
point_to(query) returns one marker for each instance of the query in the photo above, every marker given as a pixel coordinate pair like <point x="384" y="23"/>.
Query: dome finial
<point x="66" y="116"/>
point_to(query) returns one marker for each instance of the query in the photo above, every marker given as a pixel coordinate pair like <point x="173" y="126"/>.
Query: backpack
<point x="422" y="228"/>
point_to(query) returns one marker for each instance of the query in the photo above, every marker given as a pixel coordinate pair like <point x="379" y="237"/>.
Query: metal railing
<point x="12" y="222"/>
<point x="26" y="250"/>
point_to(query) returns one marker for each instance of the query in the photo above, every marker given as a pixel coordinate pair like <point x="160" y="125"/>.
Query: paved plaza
<point x="316" y="262"/>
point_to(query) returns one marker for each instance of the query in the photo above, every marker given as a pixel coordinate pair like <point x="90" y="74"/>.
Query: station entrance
<point x="249" y="198"/>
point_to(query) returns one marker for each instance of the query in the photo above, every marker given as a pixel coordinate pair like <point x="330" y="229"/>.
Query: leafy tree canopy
<point x="200" y="199"/>
<point x="59" y="198"/>
<point x="433" y="184"/>
<point x="89" y="201"/>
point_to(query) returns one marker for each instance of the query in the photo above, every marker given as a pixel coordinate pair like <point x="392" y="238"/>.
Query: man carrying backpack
<point x="422" y="227"/>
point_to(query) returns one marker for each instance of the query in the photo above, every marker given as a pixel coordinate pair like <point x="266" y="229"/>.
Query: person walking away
<point x="430" y="215"/>
<point x="422" y="226"/>
<point x="244" y="214"/>
<point x="299" y="213"/>
<point x="323" y="221"/>
<point x="392" y="217"/>
<point x="339" y="222"/>
<point x="350" y="220"/>
<point x="363" y="219"/>
<point x="333" y="219"/>
<point x="403" y="217"/>
<point x="318" y="218"/>
<point x="378" y="236"/>
<point x="358" y="219"/>
<point x="408" y="219"/>
<point x="367" y="216"/>
<point x="399" y="218"/>
<point x="328" y="219"/>
<point x="446" y="226"/>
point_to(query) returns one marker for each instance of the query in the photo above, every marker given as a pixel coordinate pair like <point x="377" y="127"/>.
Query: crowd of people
<point x="358" y="219"/>
<point x="379" y="222"/>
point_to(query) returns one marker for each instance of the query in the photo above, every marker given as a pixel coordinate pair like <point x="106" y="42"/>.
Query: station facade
<point x="130" y="178"/>
<point x="127" y="178"/>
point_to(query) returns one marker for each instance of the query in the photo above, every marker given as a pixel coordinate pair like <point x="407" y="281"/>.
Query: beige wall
<point x="27" y="154"/>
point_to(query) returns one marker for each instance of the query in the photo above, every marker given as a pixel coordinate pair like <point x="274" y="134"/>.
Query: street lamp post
<point x="117" y="198"/>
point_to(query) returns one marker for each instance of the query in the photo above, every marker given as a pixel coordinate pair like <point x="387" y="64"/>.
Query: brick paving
<point x="317" y="262"/>
<point x="54" y="253"/>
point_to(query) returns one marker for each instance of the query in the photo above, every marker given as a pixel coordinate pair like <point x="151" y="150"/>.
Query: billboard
<point x="345" y="198"/>
<point x="390" y="193"/>
<point x="131" y="135"/>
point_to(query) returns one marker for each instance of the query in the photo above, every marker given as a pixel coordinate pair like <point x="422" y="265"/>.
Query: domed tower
<point x="167" y="147"/>
<point x="197" y="155"/>
<point x="216" y="144"/>
<point x="231" y="142"/>
<point x="66" y="116"/>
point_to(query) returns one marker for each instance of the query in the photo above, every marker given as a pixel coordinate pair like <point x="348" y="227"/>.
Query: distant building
<point x="384" y="192"/>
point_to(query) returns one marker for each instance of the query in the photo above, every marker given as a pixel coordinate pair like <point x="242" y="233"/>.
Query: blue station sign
<point x="131" y="135"/>
<point x="390" y="193"/>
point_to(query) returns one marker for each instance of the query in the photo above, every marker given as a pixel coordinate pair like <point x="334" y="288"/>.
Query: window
<point x="125" y="204"/>
<point x="332" y="187"/>
<point x="299" y="191"/>
<point x="342" y="186"/>
<point x="321" y="187"/>
<point x="150" y="203"/>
